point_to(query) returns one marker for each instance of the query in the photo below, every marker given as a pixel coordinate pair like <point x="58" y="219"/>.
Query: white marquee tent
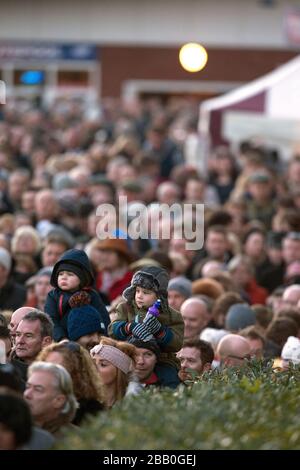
<point x="268" y="107"/>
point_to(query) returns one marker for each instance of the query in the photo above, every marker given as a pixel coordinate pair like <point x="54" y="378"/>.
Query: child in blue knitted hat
<point x="146" y="315"/>
<point x="72" y="279"/>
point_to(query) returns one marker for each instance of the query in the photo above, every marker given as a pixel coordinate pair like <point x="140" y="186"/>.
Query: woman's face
<point x="110" y="260"/>
<point x="107" y="371"/>
<point x="26" y="244"/>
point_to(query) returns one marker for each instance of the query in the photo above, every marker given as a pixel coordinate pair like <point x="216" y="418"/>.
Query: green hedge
<point x="257" y="409"/>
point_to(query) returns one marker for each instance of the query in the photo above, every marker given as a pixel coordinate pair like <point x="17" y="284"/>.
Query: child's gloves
<point x="152" y="323"/>
<point x="142" y="332"/>
<point x="154" y="309"/>
<point x="151" y="320"/>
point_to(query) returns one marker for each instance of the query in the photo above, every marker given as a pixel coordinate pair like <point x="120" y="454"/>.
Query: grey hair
<point x="62" y="382"/>
<point x="44" y="319"/>
<point x="238" y="260"/>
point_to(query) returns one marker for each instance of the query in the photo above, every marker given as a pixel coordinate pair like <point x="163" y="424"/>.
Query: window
<point x="29" y="77"/>
<point x="73" y="78"/>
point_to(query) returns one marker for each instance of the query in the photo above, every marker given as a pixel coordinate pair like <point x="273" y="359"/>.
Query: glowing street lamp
<point x="192" y="57"/>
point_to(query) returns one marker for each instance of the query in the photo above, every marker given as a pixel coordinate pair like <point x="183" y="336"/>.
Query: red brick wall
<point x="120" y="63"/>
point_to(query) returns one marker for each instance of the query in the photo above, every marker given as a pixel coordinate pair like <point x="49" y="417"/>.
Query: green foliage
<point x="256" y="408"/>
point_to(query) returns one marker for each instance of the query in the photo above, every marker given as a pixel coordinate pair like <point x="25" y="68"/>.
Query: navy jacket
<point x="57" y="303"/>
<point x="58" y="308"/>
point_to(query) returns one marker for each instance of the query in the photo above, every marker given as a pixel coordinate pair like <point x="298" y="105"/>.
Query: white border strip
<point x="2" y="92"/>
<point x="131" y="88"/>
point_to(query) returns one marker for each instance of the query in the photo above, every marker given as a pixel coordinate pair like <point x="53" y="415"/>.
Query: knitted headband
<point x="113" y="355"/>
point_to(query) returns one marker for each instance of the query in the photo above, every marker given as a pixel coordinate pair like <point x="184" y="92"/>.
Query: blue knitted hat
<point x="84" y="320"/>
<point x="239" y="316"/>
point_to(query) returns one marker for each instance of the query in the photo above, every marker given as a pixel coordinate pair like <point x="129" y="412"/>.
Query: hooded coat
<point x="169" y="340"/>
<point x="170" y="337"/>
<point x="57" y="304"/>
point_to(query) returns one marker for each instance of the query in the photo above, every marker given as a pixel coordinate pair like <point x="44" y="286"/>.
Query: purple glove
<point x="154" y="309"/>
<point x="151" y="318"/>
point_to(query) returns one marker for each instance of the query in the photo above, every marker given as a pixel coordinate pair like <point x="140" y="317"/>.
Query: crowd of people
<point x="86" y="319"/>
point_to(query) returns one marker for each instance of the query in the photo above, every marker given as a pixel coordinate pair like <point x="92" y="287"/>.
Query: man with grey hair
<point x="233" y="351"/>
<point x="291" y="296"/>
<point x="16" y="317"/>
<point x="195" y="316"/>
<point x="34" y="332"/>
<point x="168" y="193"/>
<point x="49" y="394"/>
<point x="179" y="290"/>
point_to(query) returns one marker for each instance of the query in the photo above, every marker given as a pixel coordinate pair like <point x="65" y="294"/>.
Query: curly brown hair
<point x="79" y="364"/>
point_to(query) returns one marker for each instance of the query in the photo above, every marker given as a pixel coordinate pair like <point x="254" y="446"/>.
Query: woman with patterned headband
<point x="114" y="361"/>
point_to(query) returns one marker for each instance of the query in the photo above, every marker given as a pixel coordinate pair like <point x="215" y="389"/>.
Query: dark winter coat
<point x="57" y="303"/>
<point x="58" y="308"/>
<point x="12" y="296"/>
<point x="170" y="341"/>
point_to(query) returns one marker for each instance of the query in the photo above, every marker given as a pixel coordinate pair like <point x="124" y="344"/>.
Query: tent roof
<point x="253" y="88"/>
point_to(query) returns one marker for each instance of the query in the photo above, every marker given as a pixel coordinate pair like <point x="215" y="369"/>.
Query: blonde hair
<point x="26" y="231"/>
<point x="122" y="379"/>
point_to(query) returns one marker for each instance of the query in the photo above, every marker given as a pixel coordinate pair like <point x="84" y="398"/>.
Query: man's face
<point x="237" y="355"/>
<point x="290" y="297"/>
<point x="29" y="341"/>
<point x="194" y="191"/>
<point x="51" y="253"/>
<point x="175" y="299"/>
<point x="145" y="361"/>
<point x="89" y="341"/>
<point x="44" y="400"/>
<point x="190" y="358"/>
<point x="16" y="317"/>
<point x="256" y="348"/>
<point x="216" y="245"/>
<point x="195" y="319"/>
<point x="28" y="202"/>
<point x="45" y="206"/>
<point x="16" y="186"/>
<point x="42" y="287"/>
<point x="291" y="250"/>
<point x="260" y="191"/>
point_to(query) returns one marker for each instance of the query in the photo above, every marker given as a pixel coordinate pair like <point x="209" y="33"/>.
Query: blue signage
<point x="47" y="51"/>
<point x="32" y="77"/>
